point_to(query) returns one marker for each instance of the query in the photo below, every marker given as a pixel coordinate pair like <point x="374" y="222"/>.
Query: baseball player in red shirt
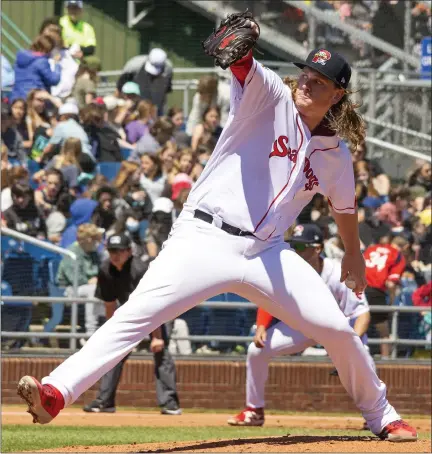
<point x="282" y="143"/>
<point x="385" y="264"/>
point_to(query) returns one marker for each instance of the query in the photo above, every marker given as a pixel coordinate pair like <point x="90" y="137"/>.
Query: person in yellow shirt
<point x="75" y="31"/>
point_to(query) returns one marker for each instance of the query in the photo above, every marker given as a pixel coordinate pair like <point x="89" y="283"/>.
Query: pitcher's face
<point x="315" y="92"/>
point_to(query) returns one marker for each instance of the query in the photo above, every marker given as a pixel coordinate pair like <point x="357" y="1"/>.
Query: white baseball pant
<point x="281" y="341"/>
<point x="199" y="261"/>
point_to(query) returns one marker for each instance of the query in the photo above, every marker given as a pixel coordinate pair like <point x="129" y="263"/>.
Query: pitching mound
<point x="268" y="444"/>
<point x="288" y="443"/>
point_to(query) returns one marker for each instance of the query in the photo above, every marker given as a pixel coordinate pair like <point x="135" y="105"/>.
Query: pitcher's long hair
<point x="342" y="117"/>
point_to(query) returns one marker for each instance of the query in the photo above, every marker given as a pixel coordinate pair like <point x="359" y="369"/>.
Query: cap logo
<point x="115" y="240"/>
<point x="343" y="80"/>
<point x="321" y="57"/>
<point x="298" y="230"/>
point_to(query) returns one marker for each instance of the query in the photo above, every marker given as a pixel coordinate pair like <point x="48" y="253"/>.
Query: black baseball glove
<point x="234" y="38"/>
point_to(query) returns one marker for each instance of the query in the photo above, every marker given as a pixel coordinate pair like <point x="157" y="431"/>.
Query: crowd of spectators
<point x="78" y="168"/>
<point x="385" y="19"/>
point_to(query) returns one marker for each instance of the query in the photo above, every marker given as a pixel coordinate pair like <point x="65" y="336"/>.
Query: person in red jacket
<point x="422" y="296"/>
<point x="385" y="264"/>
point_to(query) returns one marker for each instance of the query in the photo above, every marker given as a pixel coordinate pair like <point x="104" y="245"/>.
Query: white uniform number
<point x="378" y="259"/>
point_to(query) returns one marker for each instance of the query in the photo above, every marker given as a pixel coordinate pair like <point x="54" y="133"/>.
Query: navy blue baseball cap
<point x="330" y="64"/>
<point x="307" y="234"/>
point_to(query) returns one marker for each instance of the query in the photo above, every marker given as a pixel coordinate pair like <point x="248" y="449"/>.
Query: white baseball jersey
<point x="349" y="303"/>
<point x="266" y="166"/>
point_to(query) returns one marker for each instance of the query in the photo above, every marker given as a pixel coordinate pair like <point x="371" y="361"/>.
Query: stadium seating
<point x="243" y="318"/>
<point x="9" y="244"/>
<point x="408" y="323"/>
<point x="47" y="272"/>
<point x="199" y="319"/>
<point x="6" y="289"/>
<point x="20" y="270"/>
<point x="33" y="167"/>
<point x="21" y="257"/>
<point x="39" y="253"/>
<point x="109" y="169"/>
<point x="14" y="162"/>
<point x="203" y="321"/>
<point x="237" y="322"/>
<point x="125" y="152"/>
<point x="57" y="309"/>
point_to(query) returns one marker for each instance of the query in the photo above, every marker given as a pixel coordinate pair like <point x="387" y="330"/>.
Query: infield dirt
<point x="293" y="443"/>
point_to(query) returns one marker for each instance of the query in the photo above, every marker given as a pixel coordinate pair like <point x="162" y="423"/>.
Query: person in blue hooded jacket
<point x="32" y="68"/>
<point x="81" y="213"/>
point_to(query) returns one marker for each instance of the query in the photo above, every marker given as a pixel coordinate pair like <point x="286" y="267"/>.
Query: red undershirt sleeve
<point x="263" y="318"/>
<point x="241" y="68"/>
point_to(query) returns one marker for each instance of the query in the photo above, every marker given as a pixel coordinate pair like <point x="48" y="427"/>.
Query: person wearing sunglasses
<point x="275" y="338"/>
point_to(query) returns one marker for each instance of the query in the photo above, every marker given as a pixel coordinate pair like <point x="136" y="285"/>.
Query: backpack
<point x="105" y="145"/>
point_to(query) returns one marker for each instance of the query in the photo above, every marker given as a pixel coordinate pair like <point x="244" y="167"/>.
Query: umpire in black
<point x="118" y="277"/>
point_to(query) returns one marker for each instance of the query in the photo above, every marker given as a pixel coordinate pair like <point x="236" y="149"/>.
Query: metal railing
<point x="411" y="78"/>
<point x="401" y="129"/>
<point x="409" y="100"/>
<point x="393" y="340"/>
<point x="7" y="35"/>
<point x="6" y="19"/>
<point x="334" y="21"/>
<point x="279" y="44"/>
<point x="58" y="250"/>
<point x="398" y="149"/>
<point x="187" y="86"/>
<point x="400" y="139"/>
<point x="397" y="111"/>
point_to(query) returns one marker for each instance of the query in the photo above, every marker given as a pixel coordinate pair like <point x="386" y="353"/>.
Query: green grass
<point x="25" y="438"/>
<point x="18" y="438"/>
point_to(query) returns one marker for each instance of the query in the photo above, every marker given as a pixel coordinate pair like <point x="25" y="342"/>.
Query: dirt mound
<point x="268" y="444"/>
<point x="288" y="443"/>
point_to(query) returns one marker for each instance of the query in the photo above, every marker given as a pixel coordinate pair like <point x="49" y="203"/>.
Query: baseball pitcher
<point x="282" y="143"/>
